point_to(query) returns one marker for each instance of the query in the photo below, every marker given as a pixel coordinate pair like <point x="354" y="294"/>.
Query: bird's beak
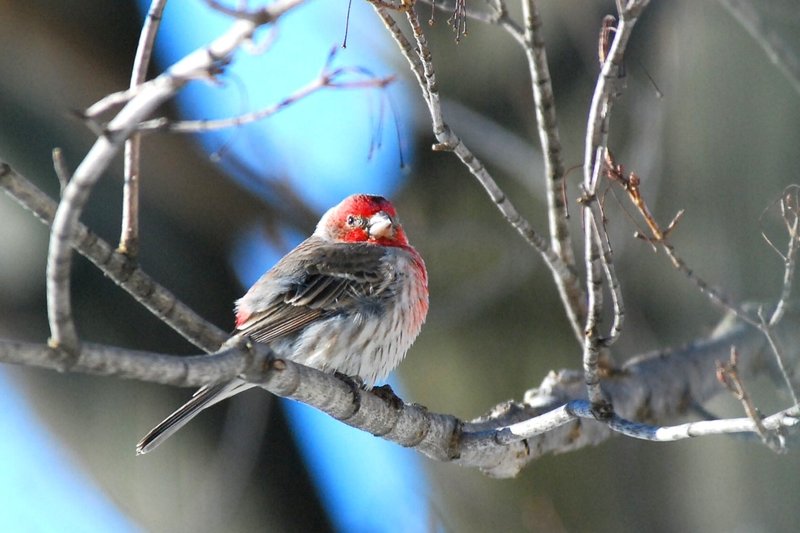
<point x="380" y="226"/>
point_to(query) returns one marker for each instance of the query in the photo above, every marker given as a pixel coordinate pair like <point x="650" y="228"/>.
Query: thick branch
<point x="552" y="418"/>
<point x="190" y="371"/>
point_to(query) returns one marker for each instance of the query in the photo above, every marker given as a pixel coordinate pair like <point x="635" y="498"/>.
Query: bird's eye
<point x="352" y="221"/>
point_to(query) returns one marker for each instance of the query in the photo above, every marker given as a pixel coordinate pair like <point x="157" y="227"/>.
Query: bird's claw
<point x="385" y="393"/>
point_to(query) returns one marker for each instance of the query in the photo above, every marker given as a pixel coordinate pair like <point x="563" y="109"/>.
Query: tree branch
<point x="327" y="79"/>
<point x="235" y="357"/>
<point x="606" y="89"/>
<point x="129" y="237"/>
<point x="553" y="418"/>
<point x="148" y="96"/>
<point x="545" y="104"/>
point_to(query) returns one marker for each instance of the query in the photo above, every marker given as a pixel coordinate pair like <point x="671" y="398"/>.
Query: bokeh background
<point x="722" y="143"/>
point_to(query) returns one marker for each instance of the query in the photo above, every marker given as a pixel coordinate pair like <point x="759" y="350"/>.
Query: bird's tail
<point x="203" y="398"/>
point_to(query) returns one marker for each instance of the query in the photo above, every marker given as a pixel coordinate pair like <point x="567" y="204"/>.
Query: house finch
<point x="351" y="299"/>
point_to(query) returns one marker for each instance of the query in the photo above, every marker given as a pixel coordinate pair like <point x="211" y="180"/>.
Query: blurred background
<point x="217" y="210"/>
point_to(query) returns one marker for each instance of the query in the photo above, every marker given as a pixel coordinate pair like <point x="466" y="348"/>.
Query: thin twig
<point x="787" y="418"/>
<point x="728" y="375"/>
<point x="715" y="295"/>
<point x="547" y="125"/>
<point x="499" y="16"/>
<point x="789" y="206"/>
<point x="107" y="103"/>
<point x="790" y="211"/>
<point x="593" y="342"/>
<point x="60" y="166"/>
<point x="129" y="236"/>
<point x="606" y="89"/>
<point x="392" y="5"/>
<point x="614" y="288"/>
<point x="790" y="203"/>
<point x="428" y="84"/>
<point x="406" y="48"/>
<point x="659" y="237"/>
<point x="596" y="137"/>
<point x="767" y="330"/>
<point x="326" y="80"/>
<point x="581" y="409"/>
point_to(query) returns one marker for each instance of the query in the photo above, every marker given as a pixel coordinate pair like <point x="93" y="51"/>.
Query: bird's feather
<point x="339" y="276"/>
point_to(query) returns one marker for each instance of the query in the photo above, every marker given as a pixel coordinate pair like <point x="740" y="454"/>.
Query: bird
<point x="350" y="299"/>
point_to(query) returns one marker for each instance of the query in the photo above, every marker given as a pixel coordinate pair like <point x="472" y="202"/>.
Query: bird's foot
<point x="385" y="393"/>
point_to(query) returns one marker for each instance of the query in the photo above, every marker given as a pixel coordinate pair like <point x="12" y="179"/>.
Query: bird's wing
<point x="326" y="278"/>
